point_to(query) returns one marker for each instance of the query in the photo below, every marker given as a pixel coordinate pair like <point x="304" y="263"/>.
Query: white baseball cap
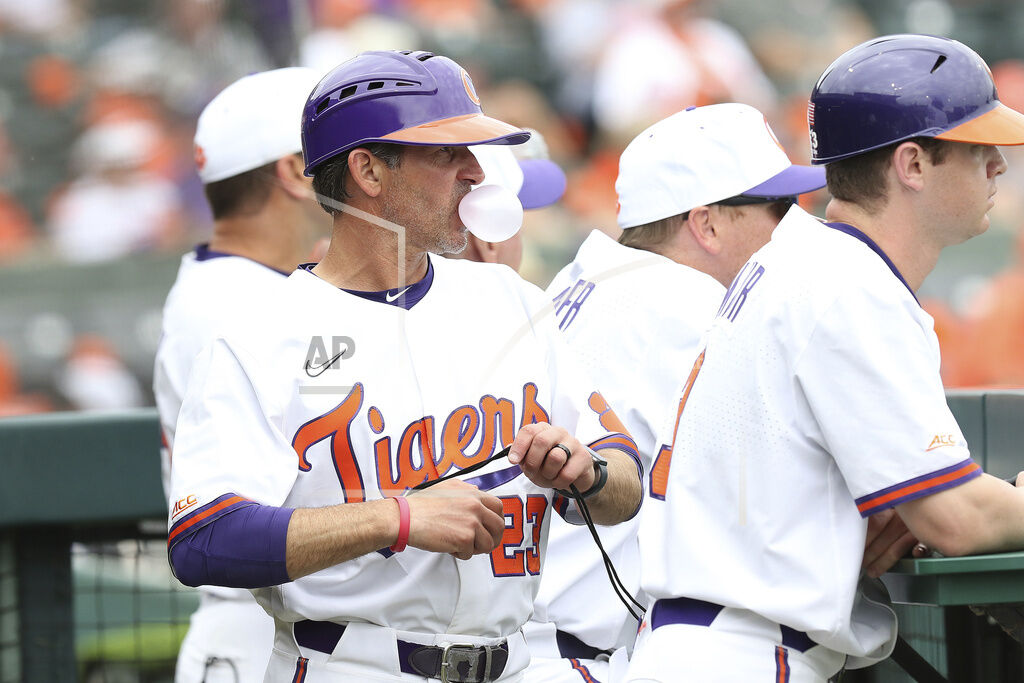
<point x="704" y="155"/>
<point x="252" y="122"/>
<point x="537" y="182"/>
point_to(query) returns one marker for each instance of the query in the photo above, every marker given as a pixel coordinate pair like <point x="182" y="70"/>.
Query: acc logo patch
<point x="470" y="90"/>
<point x="941" y="441"/>
<point x="183" y="504"/>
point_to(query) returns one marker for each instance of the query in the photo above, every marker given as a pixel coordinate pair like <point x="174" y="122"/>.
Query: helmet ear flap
<point x="899" y="87"/>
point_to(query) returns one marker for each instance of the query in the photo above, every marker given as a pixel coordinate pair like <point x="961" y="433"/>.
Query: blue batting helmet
<point x="409" y="98"/>
<point x="899" y="87"/>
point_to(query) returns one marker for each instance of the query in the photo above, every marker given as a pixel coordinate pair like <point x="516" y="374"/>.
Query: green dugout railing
<point x="74" y="476"/>
<point x="994" y="426"/>
<point x="64" y="477"/>
<point x="934" y="594"/>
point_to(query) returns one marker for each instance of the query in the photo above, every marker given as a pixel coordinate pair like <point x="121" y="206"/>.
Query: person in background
<point x="538" y="182"/>
<point x="698" y="193"/>
<point x="248" y="155"/>
<point x="813" y="444"/>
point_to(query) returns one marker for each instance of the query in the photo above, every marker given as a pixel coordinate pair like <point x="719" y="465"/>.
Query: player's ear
<point x="291" y="179"/>
<point x="485" y="252"/>
<point x="367" y="171"/>
<point x="701" y="225"/>
<point x="907" y="163"/>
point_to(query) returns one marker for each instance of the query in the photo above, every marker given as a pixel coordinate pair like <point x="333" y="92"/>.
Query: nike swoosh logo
<point x="389" y="298"/>
<point x="322" y="367"/>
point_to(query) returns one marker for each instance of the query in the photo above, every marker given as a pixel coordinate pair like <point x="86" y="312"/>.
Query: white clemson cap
<point x="538" y="182"/>
<point x="704" y="155"/>
<point x="252" y="122"/>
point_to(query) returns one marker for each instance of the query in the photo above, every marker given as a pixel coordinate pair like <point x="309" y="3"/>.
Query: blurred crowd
<point x="98" y="102"/>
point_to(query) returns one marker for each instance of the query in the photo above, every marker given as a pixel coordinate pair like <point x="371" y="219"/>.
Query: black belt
<point x="449" y="663"/>
<point x="571" y="647"/>
<point x="701" y="613"/>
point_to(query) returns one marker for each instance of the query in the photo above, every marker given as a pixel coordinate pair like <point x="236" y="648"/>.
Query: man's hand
<point x="457" y="518"/>
<point x="888" y="540"/>
<point x="452" y="517"/>
<point x="536" y="451"/>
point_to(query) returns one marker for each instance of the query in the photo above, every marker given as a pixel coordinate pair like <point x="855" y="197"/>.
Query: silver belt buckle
<point x="455" y="654"/>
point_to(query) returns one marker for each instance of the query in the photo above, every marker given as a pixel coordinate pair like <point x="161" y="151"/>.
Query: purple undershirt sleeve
<point x="242" y="549"/>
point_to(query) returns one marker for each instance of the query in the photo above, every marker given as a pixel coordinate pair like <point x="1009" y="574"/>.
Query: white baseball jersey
<point x="634" y="319"/>
<point x="816" y="403"/>
<point x="210" y="287"/>
<point x="333" y="396"/>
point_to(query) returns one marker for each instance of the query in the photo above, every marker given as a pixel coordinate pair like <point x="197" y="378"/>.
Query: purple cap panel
<point x="793" y="181"/>
<point x="543" y="183"/>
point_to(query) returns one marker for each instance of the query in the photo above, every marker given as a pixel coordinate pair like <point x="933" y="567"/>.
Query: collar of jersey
<point x="402" y="297"/>
<point x="204" y="253"/>
<point x="854" y="232"/>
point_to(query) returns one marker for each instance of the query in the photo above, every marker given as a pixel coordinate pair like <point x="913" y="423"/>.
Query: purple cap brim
<point x="793" y="181"/>
<point x="543" y="183"/>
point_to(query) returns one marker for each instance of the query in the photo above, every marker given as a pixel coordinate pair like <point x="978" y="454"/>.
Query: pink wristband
<point x="403" y="525"/>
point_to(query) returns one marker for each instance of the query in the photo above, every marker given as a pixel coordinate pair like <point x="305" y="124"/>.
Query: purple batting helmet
<point x="899" y="87"/>
<point x="409" y="98"/>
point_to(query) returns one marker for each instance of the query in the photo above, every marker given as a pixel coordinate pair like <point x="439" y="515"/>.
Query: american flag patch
<point x="810" y="113"/>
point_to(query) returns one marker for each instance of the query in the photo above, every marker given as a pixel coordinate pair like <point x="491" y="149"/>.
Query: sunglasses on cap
<point x="746" y="200"/>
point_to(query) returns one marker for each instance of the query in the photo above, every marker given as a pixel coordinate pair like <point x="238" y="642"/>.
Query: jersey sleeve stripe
<point x="621" y="442"/>
<point x="918" y="487"/>
<point x="561" y="504"/>
<point x="206" y="514"/>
